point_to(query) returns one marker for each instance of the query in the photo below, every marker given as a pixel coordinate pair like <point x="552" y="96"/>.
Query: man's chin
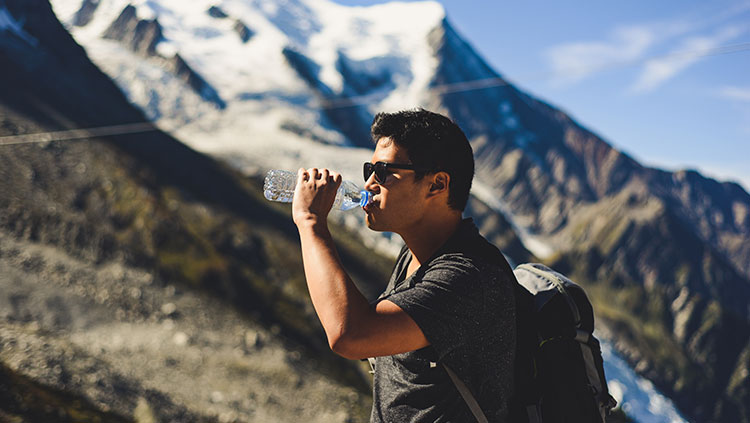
<point x="372" y="224"/>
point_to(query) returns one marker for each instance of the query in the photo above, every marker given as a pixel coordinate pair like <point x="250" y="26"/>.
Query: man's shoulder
<point x="453" y="264"/>
<point x="464" y="265"/>
<point x="474" y="260"/>
<point x="477" y="251"/>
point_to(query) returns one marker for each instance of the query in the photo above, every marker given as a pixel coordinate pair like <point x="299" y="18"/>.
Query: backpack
<point x="559" y="373"/>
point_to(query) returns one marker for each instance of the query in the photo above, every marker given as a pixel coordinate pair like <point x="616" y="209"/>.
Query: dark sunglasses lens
<point x="367" y="170"/>
<point x="380" y="172"/>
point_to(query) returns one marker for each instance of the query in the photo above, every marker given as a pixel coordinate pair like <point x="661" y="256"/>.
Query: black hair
<point x="433" y="142"/>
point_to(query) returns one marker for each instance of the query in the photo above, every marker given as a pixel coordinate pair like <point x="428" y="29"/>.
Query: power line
<point x="73" y="134"/>
<point x="344" y="102"/>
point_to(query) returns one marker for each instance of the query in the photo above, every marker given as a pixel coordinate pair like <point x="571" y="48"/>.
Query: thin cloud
<point x="735" y="93"/>
<point x="572" y="62"/>
<point x="631" y="45"/>
<point x="658" y="71"/>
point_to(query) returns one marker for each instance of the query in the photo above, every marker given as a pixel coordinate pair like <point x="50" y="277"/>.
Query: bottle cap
<point x="364" y="198"/>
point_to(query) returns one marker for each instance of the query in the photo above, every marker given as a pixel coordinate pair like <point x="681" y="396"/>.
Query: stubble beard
<point x="374" y="224"/>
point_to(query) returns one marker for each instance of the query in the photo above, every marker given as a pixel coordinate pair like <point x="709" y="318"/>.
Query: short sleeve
<point x="446" y="302"/>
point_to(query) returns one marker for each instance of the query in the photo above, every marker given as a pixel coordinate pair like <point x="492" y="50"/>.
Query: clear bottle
<point x="279" y="186"/>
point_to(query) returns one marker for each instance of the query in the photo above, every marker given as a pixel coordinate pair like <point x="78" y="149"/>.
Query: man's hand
<point x="314" y="195"/>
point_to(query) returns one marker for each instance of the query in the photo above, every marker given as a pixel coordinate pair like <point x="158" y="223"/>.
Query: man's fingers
<point x="301" y="175"/>
<point x="315" y="174"/>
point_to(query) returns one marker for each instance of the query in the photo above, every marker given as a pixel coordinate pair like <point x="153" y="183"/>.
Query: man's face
<point x="398" y="201"/>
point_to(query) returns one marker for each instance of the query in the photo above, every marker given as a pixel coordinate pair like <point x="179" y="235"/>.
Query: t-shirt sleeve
<point x="446" y="303"/>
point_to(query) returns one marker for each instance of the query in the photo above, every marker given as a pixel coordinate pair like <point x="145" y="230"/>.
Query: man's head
<point x="433" y="143"/>
<point x="420" y="173"/>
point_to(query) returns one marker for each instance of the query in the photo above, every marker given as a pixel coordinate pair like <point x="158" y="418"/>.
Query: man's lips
<point x="369" y="206"/>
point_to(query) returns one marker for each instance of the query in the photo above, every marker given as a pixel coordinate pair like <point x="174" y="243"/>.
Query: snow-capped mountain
<point x="296" y="56"/>
<point x="271" y="84"/>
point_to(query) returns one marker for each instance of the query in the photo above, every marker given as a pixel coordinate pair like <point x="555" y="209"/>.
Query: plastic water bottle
<point x="279" y="186"/>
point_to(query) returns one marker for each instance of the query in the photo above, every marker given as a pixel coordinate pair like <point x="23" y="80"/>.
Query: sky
<point x="666" y="82"/>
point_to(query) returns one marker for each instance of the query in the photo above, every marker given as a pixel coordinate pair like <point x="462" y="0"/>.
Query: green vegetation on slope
<point x="25" y="400"/>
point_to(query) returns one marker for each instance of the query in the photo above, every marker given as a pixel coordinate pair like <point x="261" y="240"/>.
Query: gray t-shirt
<point x="462" y="299"/>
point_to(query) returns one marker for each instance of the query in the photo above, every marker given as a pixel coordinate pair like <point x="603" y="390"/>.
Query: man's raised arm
<point x="354" y="328"/>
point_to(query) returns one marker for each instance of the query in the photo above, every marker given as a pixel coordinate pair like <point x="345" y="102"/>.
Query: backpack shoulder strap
<point x="533" y="412"/>
<point x="466" y="395"/>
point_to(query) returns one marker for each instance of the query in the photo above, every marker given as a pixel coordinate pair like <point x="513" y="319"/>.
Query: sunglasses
<point x="381" y="170"/>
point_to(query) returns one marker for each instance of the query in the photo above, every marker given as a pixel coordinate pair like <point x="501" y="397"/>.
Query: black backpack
<point x="559" y="373"/>
<point x="566" y="382"/>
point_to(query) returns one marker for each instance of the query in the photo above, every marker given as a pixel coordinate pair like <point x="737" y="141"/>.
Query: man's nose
<point x="371" y="184"/>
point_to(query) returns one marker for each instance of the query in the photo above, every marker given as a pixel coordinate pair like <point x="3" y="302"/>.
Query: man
<point x="449" y="302"/>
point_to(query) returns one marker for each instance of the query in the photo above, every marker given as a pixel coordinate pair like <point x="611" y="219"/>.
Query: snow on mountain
<point x="636" y="395"/>
<point x="535" y="244"/>
<point x="252" y="75"/>
<point x="358" y="34"/>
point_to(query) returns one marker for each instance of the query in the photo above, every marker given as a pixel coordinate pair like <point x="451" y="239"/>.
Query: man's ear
<point x="440" y="182"/>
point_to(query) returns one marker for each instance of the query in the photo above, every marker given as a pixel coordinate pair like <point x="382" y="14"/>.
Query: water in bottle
<point x="279" y="186"/>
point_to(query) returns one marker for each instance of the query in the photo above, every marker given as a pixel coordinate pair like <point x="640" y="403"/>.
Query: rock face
<point x="85" y="13"/>
<point x="142" y="36"/>
<point x="217" y="12"/>
<point x="243" y="31"/>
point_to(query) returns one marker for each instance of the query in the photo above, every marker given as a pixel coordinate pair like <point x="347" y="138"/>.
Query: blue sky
<point x="667" y="82"/>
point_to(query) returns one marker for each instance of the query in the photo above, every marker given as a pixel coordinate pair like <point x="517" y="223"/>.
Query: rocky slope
<point x="675" y="308"/>
<point x="121" y="342"/>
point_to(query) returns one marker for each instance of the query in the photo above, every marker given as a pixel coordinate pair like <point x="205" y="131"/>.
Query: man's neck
<point x="424" y="239"/>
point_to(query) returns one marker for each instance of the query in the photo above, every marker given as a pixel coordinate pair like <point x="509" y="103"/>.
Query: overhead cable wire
<point x="73" y="134"/>
<point x="344" y="102"/>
